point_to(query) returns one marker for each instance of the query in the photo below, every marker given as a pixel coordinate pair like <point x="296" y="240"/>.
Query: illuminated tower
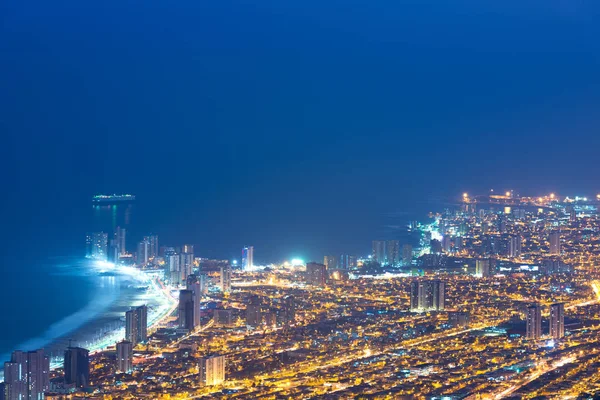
<point x="557" y="320"/>
<point x="534" y="322"/>
<point x="136" y="325"/>
<point x="427" y="295"/>
<point x="212" y="370"/>
<point x="97" y="246"/>
<point x="186" y="265"/>
<point x="124" y="356"/>
<point x="152" y="245"/>
<point x="194" y="284"/>
<point x="172" y="268"/>
<point x="247" y="258"/>
<point x="120" y="236"/>
<point x="143" y="252"/>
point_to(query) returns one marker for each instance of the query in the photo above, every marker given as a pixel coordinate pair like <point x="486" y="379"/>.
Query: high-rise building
<point x="316" y="274"/>
<point x="514" y="246"/>
<point x="534" y="322"/>
<point x="97" y="246"/>
<point x="347" y="262"/>
<point x="289" y="310"/>
<point x="254" y="314"/>
<point x="136" y="325"/>
<point x="26" y="375"/>
<point x="172" y="268"/>
<point x="124" y="356"/>
<point x="557" y="320"/>
<point x="392" y="249"/>
<point x="143" y="252"/>
<point x="120" y="236"/>
<point x="186" y="309"/>
<point x="247" y="258"/>
<point x="194" y="284"/>
<point x="77" y="367"/>
<point x="187" y="248"/>
<point x="378" y="252"/>
<point x="427" y="295"/>
<point x="114" y="253"/>
<point x="482" y="267"/>
<point x="555" y="243"/>
<point x="152" y="246"/>
<point x="407" y="254"/>
<point x="212" y="370"/>
<point x="225" y="278"/>
<point x="186" y="264"/>
<point x="330" y="262"/>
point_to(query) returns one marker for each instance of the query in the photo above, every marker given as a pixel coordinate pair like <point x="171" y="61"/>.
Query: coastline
<point x="99" y="323"/>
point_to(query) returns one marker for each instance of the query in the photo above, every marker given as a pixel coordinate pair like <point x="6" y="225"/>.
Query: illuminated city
<point x="305" y="200"/>
<point x="495" y="296"/>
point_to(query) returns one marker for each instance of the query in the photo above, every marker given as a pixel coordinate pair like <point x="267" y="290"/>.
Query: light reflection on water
<point x="101" y="320"/>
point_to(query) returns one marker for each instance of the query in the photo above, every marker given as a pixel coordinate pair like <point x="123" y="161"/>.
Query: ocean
<point x="52" y="296"/>
<point x="81" y="304"/>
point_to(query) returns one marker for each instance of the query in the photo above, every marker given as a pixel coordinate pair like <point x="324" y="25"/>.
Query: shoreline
<point x="99" y="324"/>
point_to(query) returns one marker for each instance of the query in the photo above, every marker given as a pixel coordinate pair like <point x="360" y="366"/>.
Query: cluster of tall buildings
<point x="556" y="323"/>
<point x="147" y="250"/>
<point x="387" y="252"/>
<point x="189" y="300"/>
<point x="26" y="376"/>
<point x="345" y="262"/>
<point x="179" y="264"/>
<point x="102" y="248"/>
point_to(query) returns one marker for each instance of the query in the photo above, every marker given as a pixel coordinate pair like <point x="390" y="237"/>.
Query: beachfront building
<point x="136" y="325"/>
<point x="124" y="356"/>
<point x="77" y="367"/>
<point x="26" y="375"/>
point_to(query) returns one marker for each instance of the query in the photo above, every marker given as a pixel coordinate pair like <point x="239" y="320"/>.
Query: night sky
<point x="296" y="126"/>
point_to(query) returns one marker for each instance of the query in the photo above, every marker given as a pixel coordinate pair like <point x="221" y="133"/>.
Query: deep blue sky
<point x="293" y="125"/>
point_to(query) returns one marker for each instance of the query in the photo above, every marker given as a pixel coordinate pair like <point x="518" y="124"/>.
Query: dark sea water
<point x="49" y="292"/>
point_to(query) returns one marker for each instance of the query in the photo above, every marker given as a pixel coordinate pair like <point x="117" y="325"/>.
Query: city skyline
<point x="301" y="199"/>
